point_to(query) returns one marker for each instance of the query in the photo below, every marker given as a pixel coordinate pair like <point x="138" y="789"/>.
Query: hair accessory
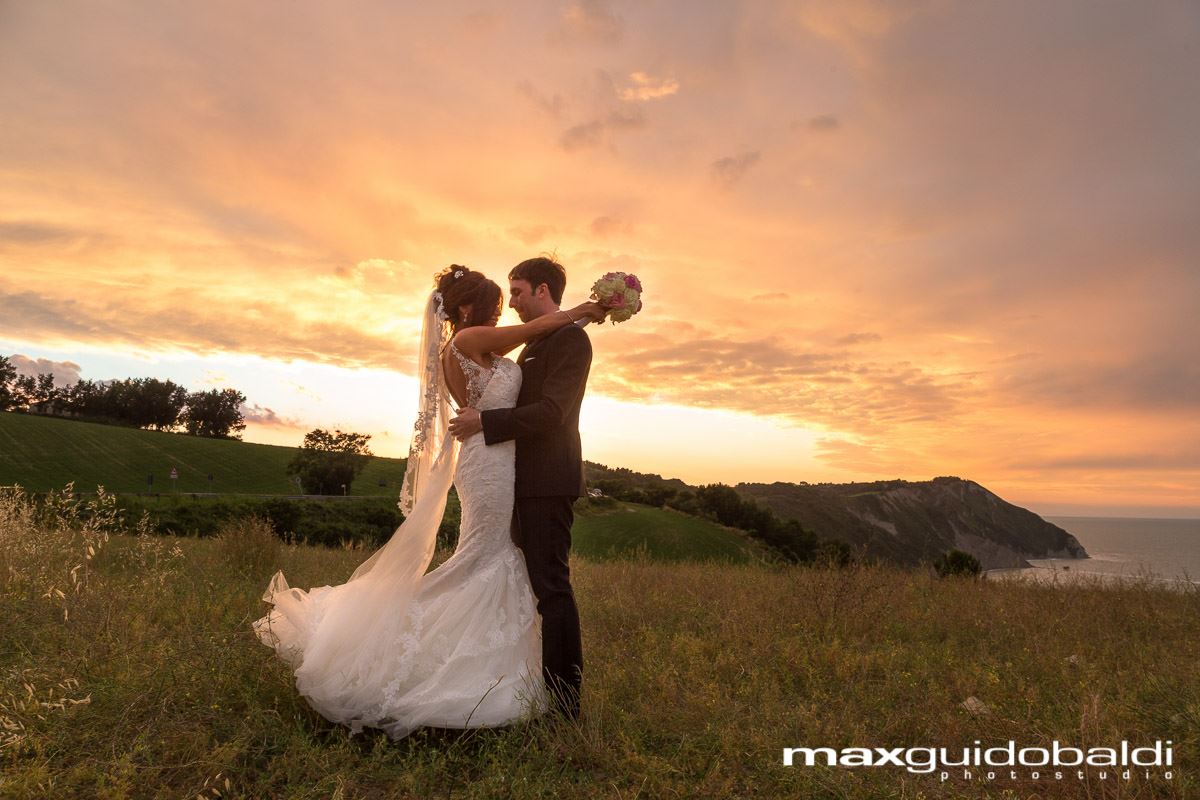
<point x="458" y="273"/>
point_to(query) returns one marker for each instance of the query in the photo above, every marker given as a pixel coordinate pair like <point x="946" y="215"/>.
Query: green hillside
<point x="622" y="530"/>
<point x="43" y="453"/>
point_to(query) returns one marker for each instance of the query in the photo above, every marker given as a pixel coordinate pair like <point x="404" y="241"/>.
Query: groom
<point x="545" y="424"/>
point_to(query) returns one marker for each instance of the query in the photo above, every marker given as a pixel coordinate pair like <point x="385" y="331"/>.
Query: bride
<point x="397" y="648"/>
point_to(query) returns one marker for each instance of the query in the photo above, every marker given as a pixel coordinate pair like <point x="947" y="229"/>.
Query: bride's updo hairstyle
<point x="461" y="286"/>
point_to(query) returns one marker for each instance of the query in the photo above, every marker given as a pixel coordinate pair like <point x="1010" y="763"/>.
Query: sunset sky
<point x="878" y="240"/>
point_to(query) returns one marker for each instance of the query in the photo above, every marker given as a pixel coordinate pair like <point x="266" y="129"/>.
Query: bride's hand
<point x="591" y="311"/>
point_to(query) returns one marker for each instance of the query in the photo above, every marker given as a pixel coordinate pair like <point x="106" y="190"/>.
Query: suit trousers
<point x="542" y="530"/>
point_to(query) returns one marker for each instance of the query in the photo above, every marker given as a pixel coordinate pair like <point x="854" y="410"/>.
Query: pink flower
<point x="639" y="307"/>
<point x="616" y="301"/>
<point x="632" y="282"/>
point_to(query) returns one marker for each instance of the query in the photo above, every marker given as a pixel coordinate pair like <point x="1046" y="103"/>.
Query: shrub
<point x="833" y="553"/>
<point x="284" y="514"/>
<point x="957" y="562"/>
<point x="248" y="545"/>
<point x="604" y="503"/>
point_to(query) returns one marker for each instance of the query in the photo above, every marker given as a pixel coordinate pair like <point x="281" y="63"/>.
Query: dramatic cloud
<point x="644" y="87"/>
<point x="35" y="234"/>
<point x="823" y="122"/>
<point x="942" y="238"/>
<point x="608" y="226"/>
<point x="766" y="377"/>
<point x="590" y="21"/>
<point x="531" y="234"/>
<point x="270" y="330"/>
<point x="552" y="105"/>
<point x="858" y="338"/>
<point x="599" y="131"/>
<point x="66" y="373"/>
<point x="729" y="170"/>
<point x="260" y="415"/>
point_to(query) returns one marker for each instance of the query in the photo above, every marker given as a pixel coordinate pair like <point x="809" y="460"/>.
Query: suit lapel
<point x="530" y="351"/>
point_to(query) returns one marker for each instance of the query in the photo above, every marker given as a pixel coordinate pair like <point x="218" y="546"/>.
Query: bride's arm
<point x="480" y="339"/>
<point x="505" y="351"/>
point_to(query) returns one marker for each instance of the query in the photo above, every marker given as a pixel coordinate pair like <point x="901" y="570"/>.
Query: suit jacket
<point x="545" y="422"/>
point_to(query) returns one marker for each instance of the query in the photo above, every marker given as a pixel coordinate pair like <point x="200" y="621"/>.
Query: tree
<point x="659" y="496"/>
<point x="159" y="404"/>
<point x="8" y="377"/>
<point x="833" y="553"/>
<point x="86" y="399"/>
<point x="118" y="401"/>
<point x="724" y="504"/>
<point x="216" y="413"/>
<point x="34" y="393"/>
<point x="327" y="462"/>
<point x="140" y="402"/>
<point x="957" y="562"/>
<point x="48" y="397"/>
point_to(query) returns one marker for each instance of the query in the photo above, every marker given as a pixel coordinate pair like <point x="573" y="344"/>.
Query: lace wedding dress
<point x="456" y="647"/>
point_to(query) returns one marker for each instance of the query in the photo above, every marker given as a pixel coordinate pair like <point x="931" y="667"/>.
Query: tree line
<point x="135" y="402"/>
<point x="326" y="463"/>
<point x="723" y="504"/>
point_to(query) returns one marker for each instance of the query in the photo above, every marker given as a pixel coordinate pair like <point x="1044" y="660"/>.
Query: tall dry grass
<point x="248" y="546"/>
<point x="150" y="683"/>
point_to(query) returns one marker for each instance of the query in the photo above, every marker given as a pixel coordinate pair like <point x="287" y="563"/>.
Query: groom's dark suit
<point x="545" y="424"/>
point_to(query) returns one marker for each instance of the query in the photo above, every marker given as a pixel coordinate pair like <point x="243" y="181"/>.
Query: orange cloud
<point x="945" y="240"/>
<point x="644" y="87"/>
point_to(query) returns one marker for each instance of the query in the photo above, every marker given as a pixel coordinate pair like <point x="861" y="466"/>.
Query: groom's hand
<point x="466" y="424"/>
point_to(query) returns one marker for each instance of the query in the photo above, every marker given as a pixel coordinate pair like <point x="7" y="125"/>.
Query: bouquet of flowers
<point x="619" y="292"/>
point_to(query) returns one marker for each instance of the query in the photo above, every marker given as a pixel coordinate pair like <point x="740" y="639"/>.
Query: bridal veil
<point x="330" y="635"/>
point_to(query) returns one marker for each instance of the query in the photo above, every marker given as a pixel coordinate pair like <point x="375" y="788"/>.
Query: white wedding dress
<point x="456" y="647"/>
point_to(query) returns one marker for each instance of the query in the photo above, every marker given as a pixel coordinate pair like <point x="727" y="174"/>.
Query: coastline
<point x="1056" y="574"/>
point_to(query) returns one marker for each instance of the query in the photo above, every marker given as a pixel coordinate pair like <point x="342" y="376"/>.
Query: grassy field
<point x="144" y="679"/>
<point x="622" y="530"/>
<point x="604" y="529"/>
<point x="44" y="453"/>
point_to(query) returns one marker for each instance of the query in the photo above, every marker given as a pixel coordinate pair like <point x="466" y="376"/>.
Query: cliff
<point x="910" y="521"/>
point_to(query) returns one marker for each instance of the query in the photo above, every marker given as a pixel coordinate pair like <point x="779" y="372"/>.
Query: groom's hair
<point x="542" y="270"/>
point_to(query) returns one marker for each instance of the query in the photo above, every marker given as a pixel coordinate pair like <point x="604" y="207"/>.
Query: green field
<point x="621" y="531"/>
<point x="44" y="453"/>
<point x="603" y="530"/>
<point x="696" y="676"/>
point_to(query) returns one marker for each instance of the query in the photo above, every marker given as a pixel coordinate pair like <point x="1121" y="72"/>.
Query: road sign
<point x="174" y="473"/>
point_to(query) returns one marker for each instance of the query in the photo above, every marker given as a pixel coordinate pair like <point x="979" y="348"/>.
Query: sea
<point x="1122" y="548"/>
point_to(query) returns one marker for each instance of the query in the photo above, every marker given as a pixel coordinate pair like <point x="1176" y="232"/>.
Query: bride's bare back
<point x="457" y="382"/>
